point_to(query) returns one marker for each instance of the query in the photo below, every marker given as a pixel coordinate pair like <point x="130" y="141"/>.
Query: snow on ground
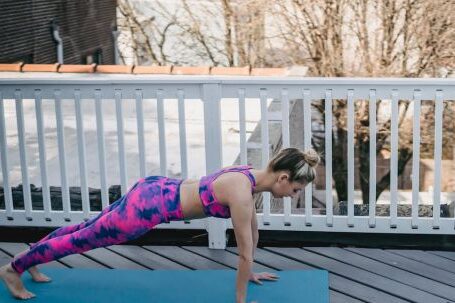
<point x="194" y="137"/>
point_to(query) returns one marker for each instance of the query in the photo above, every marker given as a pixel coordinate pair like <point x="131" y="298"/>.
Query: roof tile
<point x="269" y="72"/>
<point x="129" y="69"/>
<point x="74" y="68"/>
<point x="233" y="71"/>
<point x="13" y="67"/>
<point x="191" y="70"/>
<point x="152" y="69"/>
<point x="40" y="67"/>
<point x="114" y="69"/>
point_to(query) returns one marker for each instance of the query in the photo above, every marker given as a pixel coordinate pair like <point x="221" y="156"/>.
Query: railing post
<point x="211" y="96"/>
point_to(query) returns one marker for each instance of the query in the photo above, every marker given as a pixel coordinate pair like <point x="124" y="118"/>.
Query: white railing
<point x="211" y="90"/>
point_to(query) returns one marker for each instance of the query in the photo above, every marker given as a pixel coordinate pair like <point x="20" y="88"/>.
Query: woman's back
<point x="209" y="195"/>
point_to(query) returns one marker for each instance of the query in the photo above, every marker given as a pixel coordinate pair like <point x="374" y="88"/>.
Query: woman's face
<point x="283" y="188"/>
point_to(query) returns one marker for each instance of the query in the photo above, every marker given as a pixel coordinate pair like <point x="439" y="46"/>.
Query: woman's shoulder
<point x="234" y="185"/>
<point x="234" y="174"/>
<point x="236" y="166"/>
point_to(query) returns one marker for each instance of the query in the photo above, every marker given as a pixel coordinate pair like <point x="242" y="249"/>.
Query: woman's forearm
<point x="243" y="275"/>
<point x="255" y="241"/>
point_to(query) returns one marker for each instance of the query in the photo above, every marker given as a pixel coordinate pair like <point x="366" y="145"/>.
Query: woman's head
<point x="294" y="169"/>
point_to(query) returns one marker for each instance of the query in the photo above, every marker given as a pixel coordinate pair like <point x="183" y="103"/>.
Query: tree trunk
<point x="340" y="163"/>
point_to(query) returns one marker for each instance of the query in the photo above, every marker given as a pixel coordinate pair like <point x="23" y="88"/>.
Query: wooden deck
<point x="356" y="274"/>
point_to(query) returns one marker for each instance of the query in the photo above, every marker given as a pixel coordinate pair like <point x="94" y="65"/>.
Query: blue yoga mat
<point x="118" y="285"/>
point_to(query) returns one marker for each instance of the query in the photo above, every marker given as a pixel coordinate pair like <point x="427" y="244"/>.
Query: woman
<point x="227" y="193"/>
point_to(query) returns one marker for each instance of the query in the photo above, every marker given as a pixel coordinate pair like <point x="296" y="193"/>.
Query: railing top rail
<point x="11" y="78"/>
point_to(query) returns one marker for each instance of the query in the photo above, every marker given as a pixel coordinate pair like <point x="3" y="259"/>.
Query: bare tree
<point x="435" y="37"/>
<point x="313" y="30"/>
<point x="217" y="33"/>
<point x="372" y="38"/>
<point x="250" y="33"/>
<point x="145" y="36"/>
<point x="227" y="32"/>
<point x="332" y="37"/>
<point x="391" y="37"/>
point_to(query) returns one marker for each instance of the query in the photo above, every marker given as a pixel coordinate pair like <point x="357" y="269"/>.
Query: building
<point x="70" y="32"/>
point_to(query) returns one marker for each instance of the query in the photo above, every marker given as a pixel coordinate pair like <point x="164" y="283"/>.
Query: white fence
<point x="211" y="90"/>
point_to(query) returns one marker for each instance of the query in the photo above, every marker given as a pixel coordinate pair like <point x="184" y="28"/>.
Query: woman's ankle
<point x="12" y="269"/>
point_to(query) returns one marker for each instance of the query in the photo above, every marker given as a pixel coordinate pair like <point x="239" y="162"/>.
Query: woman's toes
<point x="37" y="276"/>
<point x="27" y="295"/>
<point x="41" y="278"/>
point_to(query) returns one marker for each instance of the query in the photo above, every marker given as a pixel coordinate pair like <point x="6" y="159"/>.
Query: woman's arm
<point x="254" y="229"/>
<point x="257" y="277"/>
<point x="241" y="215"/>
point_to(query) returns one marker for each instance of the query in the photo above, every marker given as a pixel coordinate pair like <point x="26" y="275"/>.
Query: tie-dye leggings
<point x="149" y="202"/>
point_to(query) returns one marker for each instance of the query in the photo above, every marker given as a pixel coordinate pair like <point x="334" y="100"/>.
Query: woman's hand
<point x="257" y="277"/>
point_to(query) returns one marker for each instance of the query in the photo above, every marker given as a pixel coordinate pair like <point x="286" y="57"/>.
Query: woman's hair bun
<point x="311" y="157"/>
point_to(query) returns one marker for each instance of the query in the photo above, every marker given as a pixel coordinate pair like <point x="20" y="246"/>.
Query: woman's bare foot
<point x="38" y="276"/>
<point x="14" y="283"/>
<point x="34" y="272"/>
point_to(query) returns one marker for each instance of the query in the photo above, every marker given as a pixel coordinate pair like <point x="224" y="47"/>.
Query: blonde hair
<point x="299" y="164"/>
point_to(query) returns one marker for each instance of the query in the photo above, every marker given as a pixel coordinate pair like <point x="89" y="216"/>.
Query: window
<point x="93" y="57"/>
<point x="22" y="58"/>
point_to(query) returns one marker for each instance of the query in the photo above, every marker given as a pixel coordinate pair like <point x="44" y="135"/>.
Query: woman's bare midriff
<point x="190" y="201"/>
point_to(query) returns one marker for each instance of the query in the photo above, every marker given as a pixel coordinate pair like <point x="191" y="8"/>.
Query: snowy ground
<point x="194" y="135"/>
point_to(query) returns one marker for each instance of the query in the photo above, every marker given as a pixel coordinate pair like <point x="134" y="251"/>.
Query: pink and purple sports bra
<point x="212" y="207"/>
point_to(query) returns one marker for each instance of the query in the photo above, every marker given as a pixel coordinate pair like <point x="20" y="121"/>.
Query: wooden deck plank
<point x="184" y="257"/>
<point x="223" y="256"/>
<point x="336" y="283"/>
<point x="446" y="254"/>
<point x="111" y="259"/>
<point x="15" y="248"/>
<point x="426" y="258"/>
<point x="275" y="261"/>
<point x="337" y="297"/>
<point x="372" y="280"/>
<point x="145" y="257"/>
<point x="81" y="261"/>
<point x="4" y="258"/>
<point x="446" y="279"/>
<point x="376" y="266"/>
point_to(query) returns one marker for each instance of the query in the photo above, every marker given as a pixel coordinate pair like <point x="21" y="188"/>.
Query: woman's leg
<point x="72" y="228"/>
<point x="138" y="212"/>
<point x="34" y="272"/>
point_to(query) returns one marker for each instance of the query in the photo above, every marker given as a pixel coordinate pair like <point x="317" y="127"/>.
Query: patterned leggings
<point x="149" y="202"/>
